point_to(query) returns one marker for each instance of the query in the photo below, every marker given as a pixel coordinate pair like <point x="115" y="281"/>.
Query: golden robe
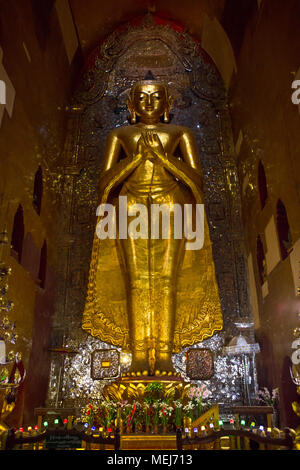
<point x="152" y="277"/>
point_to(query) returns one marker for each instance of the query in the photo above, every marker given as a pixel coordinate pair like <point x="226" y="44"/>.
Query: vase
<point x="187" y="423"/>
<point x="199" y="410"/>
<point x="178" y="418"/>
<point x="147" y="429"/>
<point x="128" y="430"/>
<point x="120" y="425"/>
<point x="155" y="429"/>
<point x="164" y="429"/>
<point x="275" y="419"/>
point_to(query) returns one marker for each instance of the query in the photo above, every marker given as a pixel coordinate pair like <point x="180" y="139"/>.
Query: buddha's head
<point x="149" y="100"/>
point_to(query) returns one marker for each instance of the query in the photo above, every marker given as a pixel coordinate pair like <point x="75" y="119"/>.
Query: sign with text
<point x="63" y="441"/>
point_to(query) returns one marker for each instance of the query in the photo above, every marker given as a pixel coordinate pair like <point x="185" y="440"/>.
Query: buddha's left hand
<point x="154" y="145"/>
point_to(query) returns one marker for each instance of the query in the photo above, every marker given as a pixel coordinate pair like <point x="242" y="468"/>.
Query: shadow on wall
<point x="265" y="362"/>
<point x="288" y="391"/>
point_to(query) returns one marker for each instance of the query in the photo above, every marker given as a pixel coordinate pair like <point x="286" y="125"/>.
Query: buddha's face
<point x="149" y="101"/>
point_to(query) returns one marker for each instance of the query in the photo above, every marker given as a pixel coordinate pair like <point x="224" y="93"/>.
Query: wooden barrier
<point x="248" y="436"/>
<point x="52" y="436"/>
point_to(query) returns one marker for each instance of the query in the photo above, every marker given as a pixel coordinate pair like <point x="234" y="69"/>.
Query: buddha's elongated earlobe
<point x="132" y="117"/>
<point x="131" y="110"/>
<point x="167" y="111"/>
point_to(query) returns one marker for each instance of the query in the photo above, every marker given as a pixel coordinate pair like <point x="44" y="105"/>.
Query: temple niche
<point x="98" y="106"/>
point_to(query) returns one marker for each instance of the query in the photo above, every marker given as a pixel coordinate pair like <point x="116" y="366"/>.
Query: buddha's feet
<point x="146" y="373"/>
<point x="164" y="366"/>
<point x="140" y="368"/>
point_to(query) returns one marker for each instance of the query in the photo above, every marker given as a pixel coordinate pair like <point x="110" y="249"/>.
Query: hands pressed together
<point x="150" y="147"/>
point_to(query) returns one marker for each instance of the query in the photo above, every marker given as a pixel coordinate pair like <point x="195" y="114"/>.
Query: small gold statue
<point x="151" y="296"/>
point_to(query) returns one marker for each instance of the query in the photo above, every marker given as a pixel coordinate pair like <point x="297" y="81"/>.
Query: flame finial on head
<point x="149" y="76"/>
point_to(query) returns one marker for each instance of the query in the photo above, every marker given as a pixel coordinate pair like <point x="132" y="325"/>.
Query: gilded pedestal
<point x="133" y="387"/>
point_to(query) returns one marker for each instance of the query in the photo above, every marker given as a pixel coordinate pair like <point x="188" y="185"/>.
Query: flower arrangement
<point x="165" y="413"/>
<point x="154" y="391"/>
<point x="147" y="412"/>
<point x="198" y="395"/>
<point x="153" y="410"/>
<point x="189" y="410"/>
<point x="109" y="412"/>
<point x="156" y="409"/>
<point x="267" y="397"/>
<point x="178" y="412"/>
<point x="126" y="412"/>
<point x="89" y="414"/>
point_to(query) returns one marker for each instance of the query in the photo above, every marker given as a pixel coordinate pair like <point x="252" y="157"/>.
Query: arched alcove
<point x="262" y="184"/>
<point x="43" y="265"/>
<point x="17" y="236"/>
<point x="38" y="190"/>
<point x="261" y="260"/>
<point x="283" y="229"/>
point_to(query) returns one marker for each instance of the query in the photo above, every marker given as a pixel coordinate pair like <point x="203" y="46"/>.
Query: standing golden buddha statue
<point x="149" y="295"/>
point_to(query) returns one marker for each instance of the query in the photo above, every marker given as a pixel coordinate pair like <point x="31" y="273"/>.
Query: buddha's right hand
<point x="144" y="151"/>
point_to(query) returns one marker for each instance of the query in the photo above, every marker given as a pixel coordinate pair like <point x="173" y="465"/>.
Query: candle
<point x="2" y="352"/>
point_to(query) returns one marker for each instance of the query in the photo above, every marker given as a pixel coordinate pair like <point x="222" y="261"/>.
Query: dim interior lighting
<point x="45" y="423"/>
<point x="243" y="422"/>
